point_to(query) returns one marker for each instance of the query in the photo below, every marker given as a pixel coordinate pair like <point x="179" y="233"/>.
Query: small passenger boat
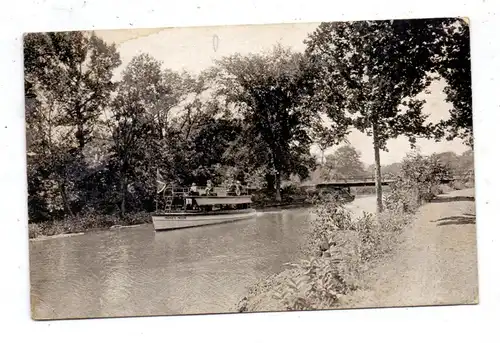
<point x="183" y="209"/>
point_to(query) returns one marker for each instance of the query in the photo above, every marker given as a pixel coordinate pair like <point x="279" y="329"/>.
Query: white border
<point x="439" y="324"/>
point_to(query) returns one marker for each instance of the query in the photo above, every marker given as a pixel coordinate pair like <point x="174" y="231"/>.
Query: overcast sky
<point x="195" y="49"/>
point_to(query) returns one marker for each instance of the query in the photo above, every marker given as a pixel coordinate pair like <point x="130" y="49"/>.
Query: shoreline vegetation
<point x="93" y="223"/>
<point x="82" y="224"/>
<point x="341" y="251"/>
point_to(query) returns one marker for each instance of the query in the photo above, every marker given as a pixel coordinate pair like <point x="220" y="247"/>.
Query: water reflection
<point x="133" y="272"/>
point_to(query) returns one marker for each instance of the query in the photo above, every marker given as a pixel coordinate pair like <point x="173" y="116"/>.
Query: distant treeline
<point x="345" y="163"/>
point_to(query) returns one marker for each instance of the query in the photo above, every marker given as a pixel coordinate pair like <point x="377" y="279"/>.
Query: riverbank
<point x="402" y="250"/>
<point x="436" y="262"/>
<point x="62" y="235"/>
<point x="83" y="224"/>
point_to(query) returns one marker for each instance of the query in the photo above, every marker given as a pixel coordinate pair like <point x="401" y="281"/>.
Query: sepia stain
<point x="121" y="36"/>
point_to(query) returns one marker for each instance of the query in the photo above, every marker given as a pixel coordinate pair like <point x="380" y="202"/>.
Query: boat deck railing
<point x="218" y="190"/>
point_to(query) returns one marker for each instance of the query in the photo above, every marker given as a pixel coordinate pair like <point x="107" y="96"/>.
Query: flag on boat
<point x="160" y="182"/>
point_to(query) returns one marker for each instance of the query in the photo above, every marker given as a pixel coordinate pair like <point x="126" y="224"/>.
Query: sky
<point x="194" y="49"/>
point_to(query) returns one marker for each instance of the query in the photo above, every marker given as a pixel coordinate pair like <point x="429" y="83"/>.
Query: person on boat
<point x="238" y="191"/>
<point x="187" y="200"/>
<point x="193" y="190"/>
<point x="238" y="188"/>
<point x="209" y="189"/>
<point x="231" y="189"/>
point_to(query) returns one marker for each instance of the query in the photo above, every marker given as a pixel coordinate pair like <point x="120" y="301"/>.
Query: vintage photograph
<point x="280" y="167"/>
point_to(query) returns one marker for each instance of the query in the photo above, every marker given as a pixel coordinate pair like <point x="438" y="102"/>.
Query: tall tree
<point x="205" y="134"/>
<point x="130" y="129"/>
<point x="268" y="90"/>
<point x="67" y="86"/>
<point x="159" y="90"/>
<point x="373" y="72"/>
<point x="80" y="79"/>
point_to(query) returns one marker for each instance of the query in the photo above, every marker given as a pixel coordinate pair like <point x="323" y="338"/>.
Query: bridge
<point x="370" y="181"/>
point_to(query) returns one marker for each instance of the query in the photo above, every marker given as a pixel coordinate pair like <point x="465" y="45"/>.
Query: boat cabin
<point x="191" y="200"/>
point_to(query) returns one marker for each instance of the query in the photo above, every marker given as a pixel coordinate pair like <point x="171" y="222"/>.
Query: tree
<point x="130" y="129"/>
<point x="204" y="143"/>
<point x="159" y="90"/>
<point x="79" y="79"/>
<point x="166" y="99"/>
<point x="449" y="159"/>
<point x="466" y="161"/>
<point x="373" y="72"/>
<point x="345" y="162"/>
<point x="453" y="64"/>
<point x="460" y="165"/>
<point x="268" y="91"/>
<point x="388" y="171"/>
<point x="68" y="86"/>
<point x="325" y="138"/>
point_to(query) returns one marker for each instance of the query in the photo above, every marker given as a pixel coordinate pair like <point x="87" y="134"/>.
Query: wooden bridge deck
<point x="370" y="181"/>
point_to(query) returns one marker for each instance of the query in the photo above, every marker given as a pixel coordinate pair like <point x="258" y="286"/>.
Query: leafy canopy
<point x="372" y="71"/>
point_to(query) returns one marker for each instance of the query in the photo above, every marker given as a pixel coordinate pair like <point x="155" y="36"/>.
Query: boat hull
<point x="183" y="220"/>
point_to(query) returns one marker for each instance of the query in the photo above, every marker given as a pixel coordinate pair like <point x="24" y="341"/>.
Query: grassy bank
<point x="337" y="255"/>
<point x="84" y="223"/>
<point x="438" y="249"/>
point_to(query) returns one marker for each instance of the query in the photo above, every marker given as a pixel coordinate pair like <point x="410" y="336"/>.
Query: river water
<point x="137" y="272"/>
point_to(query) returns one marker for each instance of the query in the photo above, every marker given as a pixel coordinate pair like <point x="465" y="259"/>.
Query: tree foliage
<point x="374" y="71"/>
<point x="453" y="64"/>
<point x="68" y="84"/>
<point x="344" y="163"/>
<point x="268" y="91"/>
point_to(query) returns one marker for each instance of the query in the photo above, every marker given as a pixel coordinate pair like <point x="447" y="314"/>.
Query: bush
<point x="418" y="182"/>
<point x="458" y="185"/>
<point x="317" y="284"/>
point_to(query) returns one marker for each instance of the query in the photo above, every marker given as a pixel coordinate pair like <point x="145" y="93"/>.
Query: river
<point x="137" y="272"/>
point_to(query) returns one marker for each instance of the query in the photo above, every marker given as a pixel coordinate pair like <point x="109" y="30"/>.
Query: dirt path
<point x="436" y="263"/>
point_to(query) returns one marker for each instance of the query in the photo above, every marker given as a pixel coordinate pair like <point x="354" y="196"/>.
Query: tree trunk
<point x="67" y="206"/>
<point x="80" y="136"/>
<point x="277" y="185"/>
<point x="378" y="175"/>
<point x="124" y="197"/>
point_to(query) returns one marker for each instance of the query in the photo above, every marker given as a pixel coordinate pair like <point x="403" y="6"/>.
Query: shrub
<point x="344" y="249"/>
<point x="317" y="284"/>
<point x="458" y="185"/>
<point x="418" y="182"/>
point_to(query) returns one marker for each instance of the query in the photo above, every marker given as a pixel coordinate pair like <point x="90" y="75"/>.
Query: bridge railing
<point x="370" y="179"/>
